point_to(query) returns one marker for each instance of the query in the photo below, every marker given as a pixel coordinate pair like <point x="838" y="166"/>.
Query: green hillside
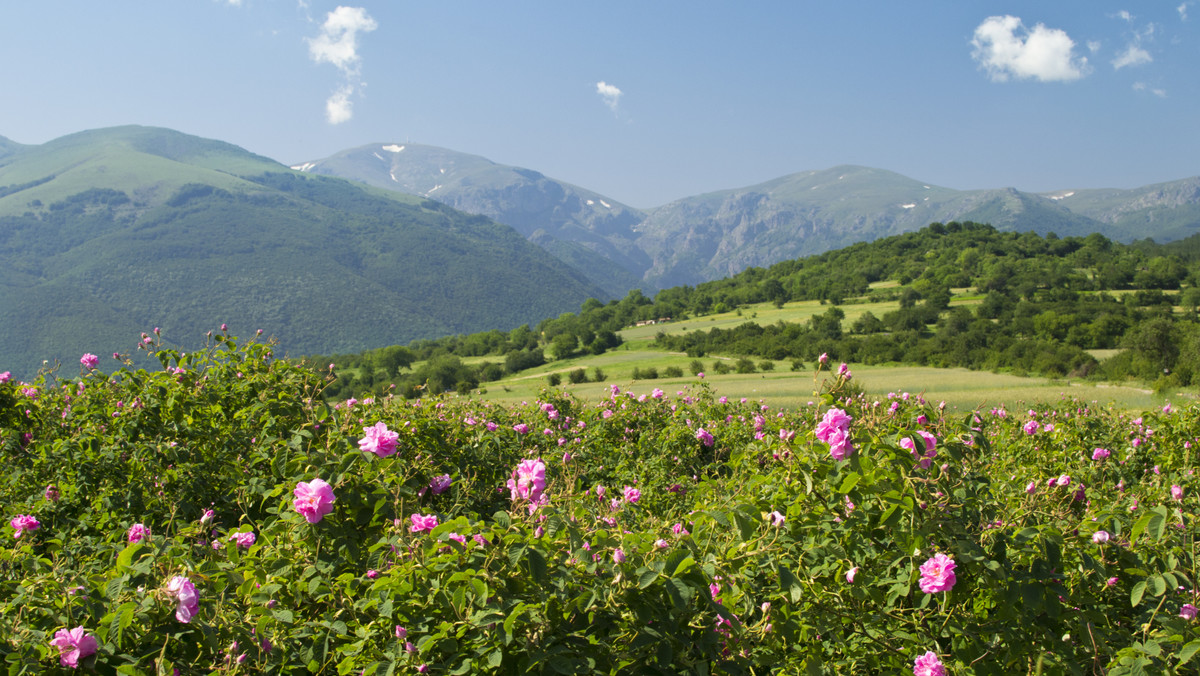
<point x="136" y="228"/>
<point x="590" y="232"/>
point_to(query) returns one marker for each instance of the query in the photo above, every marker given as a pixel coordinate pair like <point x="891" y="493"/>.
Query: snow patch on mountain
<point x="393" y="148"/>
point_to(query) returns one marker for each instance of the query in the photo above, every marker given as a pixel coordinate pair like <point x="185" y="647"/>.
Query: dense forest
<point x="967" y="294"/>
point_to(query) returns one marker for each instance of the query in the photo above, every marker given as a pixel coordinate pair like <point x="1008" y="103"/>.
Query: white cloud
<point x="610" y="94"/>
<point x="1143" y="87"/>
<point x="338" y="108"/>
<point x="1132" y="56"/>
<point x="1125" y="15"/>
<point x="337" y="44"/>
<point x="1093" y="46"/>
<point x="1182" y="9"/>
<point x="1007" y="49"/>
<point x="338" y="41"/>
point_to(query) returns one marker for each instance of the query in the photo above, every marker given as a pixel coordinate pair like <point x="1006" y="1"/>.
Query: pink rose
<point x="528" y="481"/>
<point x="704" y="436"/>
<point x="850" y="574"/>
<point x="1100" y="536"/>
<point x="23" y="522"/>
<point x="937" y="574"/>
<point x="89" y="361"/>
<point x="378" y="440"/>
<point x="1188" y="611"/>
<point x="314" y="500"/>
<point x="834" y="429"/>
<point x="928" y="665"/>
<point x="1100" y="454"/>
<point x="73" y="645"/>
<point x="243" y="540"/>
<point x="137" y="532"/>
<point x="185" y="595"/>
<point x="632" y="495"/>
<point x="422" y="523"/>
<point x="439" y="484"/>
<point x="776" y="518"/>
<point x="1177" y="492"/>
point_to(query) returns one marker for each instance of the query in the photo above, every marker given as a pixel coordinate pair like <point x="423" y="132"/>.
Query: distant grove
<point x="1023" y="302"/>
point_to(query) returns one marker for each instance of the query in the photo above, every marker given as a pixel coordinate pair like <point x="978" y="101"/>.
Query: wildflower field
<point x="215" y="515"/>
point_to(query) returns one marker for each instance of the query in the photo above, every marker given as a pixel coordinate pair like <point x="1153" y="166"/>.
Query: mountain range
<point x="106" y="233"/>
<point x="109" y="233"/>
<point x="718" y="234"/>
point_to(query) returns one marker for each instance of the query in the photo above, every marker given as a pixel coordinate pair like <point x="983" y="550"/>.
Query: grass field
<point x="961" y="389"/>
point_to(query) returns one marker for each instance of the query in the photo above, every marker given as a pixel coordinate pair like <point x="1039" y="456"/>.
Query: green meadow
<point x="961" y="389"/>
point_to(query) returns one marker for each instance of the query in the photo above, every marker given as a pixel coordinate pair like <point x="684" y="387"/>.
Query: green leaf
<point x="1158" y="523"/>
<point x="1160" y="585"/>
<point x="1139" y="527"/>
<point x="850" y="482"/>
<point x="647" y="578"/>
<point x="1188" y="652"/>
<point x="1135" y="597"/>
<point x="537" y="565"/>
<point x="283" y="615"/>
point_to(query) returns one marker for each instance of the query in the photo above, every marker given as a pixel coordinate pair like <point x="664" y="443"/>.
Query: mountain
<point x="1163" y="211"/>
<point x="105" y="234"/>
<point x="590" y="232"/>
<point x="718" y="234"/>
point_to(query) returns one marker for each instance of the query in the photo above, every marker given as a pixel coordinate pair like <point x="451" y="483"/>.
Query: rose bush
<point x="796" y="541"/>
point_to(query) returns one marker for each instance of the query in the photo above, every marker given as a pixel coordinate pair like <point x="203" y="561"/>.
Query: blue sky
<point x="645" y="102"/>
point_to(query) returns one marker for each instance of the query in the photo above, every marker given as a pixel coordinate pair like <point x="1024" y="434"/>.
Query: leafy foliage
<point x="680" y="533"/>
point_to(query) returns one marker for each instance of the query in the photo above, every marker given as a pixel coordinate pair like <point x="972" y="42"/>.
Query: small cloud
<point x="1132" y="56"/>
<point x="610" y="94"/>
<point x="1143" y="87"/>
<point x="337" y="44"/>
<point x="1093" y="46"/>
<point x="338" y="108"/>
<point x="1124" y="15"/>
<point x="1182" y="9"/>
<point x="1005" y="48"/>
<point x="338" y="41"/>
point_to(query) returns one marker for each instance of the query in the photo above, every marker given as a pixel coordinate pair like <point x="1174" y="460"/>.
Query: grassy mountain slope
<point x="168" y="234"/>
<point x="589" y="231"/>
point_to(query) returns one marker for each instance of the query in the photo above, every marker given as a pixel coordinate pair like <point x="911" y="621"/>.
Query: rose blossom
<point x="850" y="574"/>
<point x="24" y="522"/>
<point x="632" y="495"/>
<point x="137" y="532"/>
<point x="528" y="481"/>
<point x="422" y="522"/>
<point x="73" y="645"/>
<point x="834" y="430"/>
<point x="314" y="499"/>
<point x="439" y="484"/>
<point x="378" y="440"/>
<point x="1100" y="536"/>
<point x="928" y="665"/>
<point x="937" y="574"/>
<point x="1176" y="492"/>
<point x="185" y="594"/>
<point x="89" y="361"/>
<point x="244" y="540"/>
<point x="1188" y="611"/>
